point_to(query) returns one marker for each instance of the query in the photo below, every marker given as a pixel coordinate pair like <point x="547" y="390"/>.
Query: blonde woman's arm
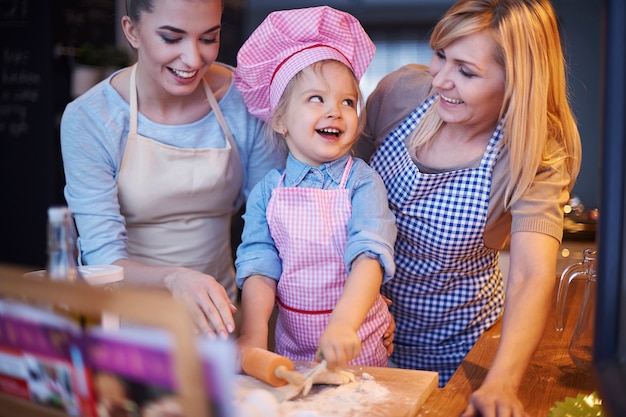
<point x="529" y="295"/>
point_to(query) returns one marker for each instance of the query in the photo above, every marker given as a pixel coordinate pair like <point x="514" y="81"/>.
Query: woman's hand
<point x="494" y="400"/>
<point x="338" y="345"/>
<point x="210" y="307"/>
<point x="205" y="298"/>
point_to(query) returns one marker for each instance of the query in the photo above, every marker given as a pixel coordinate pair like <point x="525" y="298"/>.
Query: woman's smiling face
<point x="470" y="83"/>
<point x="177" y="41"/>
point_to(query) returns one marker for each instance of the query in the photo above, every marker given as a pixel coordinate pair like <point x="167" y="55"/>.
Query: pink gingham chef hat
<point x="288" y="41"/>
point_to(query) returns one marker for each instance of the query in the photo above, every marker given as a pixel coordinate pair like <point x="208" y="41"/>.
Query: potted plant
<point x="93" y="64"/>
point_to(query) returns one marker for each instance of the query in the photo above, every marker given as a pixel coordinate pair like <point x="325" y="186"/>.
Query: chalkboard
<point x="86" y="21"/>
<point x="34" y="90"/>
<point x="26" y="128"/>
<point x="23" y="67"/>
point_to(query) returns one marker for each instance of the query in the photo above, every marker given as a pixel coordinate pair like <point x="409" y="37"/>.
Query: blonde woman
<point x="478" y="151"/>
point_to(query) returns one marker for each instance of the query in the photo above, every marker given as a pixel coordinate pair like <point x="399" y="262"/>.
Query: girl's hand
<point x="163" y="407"/>
<point x="338" y="345"/>
<point x="390" y="331"/>
<point x="243" y="343"/>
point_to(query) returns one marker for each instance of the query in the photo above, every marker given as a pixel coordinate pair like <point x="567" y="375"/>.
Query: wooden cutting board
<point x="377" y="392"/>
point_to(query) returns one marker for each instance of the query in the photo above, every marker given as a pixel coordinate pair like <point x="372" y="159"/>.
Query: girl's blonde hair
<point x="280" y="110"/>
<point x="536" y="110"/>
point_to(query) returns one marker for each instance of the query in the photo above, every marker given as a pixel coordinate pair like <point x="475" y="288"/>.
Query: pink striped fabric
<point x="288" y="41"/>
<point x="309" y="227"/>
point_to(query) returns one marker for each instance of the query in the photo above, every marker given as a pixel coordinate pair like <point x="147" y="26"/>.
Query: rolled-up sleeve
<point x="257" y="254"/>
<point x="372" y="227"/>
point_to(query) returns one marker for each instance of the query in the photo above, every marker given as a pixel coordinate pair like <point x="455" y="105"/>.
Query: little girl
<point x="318" y="236"/>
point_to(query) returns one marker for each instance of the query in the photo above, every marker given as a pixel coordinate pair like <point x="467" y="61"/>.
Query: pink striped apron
<point x="309" y="227"/>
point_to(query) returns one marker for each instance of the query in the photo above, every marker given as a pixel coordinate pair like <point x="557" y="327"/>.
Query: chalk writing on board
<point x="13" y="10"/>
<point x="20" y="89"/>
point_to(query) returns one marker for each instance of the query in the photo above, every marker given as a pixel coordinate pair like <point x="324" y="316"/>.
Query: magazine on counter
<point x="49" y="359"/>
<point x="41" y="359"/>
<point x="134" y="374"/>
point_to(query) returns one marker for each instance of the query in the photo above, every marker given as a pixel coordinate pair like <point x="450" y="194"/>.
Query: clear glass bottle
<point x="62" y="265"/>
<point x="581" y="344"/>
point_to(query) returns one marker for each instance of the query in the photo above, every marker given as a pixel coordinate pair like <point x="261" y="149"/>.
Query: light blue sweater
<point x="94" y="128"/>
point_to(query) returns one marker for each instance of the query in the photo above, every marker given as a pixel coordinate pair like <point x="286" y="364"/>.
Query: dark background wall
<point x="584" y="54"/>
<point x="34" y="85"/>
<point x="35" y="78"/>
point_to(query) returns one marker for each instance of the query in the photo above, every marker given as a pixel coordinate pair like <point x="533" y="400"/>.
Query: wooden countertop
<point x="550" y="377"/>
<point x="384" y="392"/>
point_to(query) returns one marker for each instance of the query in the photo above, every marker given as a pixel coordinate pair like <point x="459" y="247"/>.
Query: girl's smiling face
<point x="321" y="120"/>
<point x="470" y="83"/>
<point x="177" y="41"/>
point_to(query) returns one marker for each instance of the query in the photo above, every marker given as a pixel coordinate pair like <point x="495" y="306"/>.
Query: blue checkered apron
<point x="448" y="287"/>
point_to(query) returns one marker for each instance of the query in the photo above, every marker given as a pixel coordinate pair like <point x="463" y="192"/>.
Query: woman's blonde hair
<point x="536" y="110"/>
<point x="280" y="110"/>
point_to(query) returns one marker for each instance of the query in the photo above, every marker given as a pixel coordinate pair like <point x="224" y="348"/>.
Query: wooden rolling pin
<point x="270" y="367"/>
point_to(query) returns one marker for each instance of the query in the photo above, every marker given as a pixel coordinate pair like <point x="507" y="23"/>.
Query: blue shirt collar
<point x="296" y="171"/>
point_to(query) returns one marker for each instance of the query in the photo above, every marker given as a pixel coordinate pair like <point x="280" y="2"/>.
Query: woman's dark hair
<point x="134" y="8"/>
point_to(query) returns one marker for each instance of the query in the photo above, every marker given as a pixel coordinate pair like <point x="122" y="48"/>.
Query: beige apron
<point x="178" y="202"/>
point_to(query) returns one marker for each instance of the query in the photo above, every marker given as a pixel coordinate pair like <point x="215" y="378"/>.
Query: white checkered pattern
<point x="448" y="287"/>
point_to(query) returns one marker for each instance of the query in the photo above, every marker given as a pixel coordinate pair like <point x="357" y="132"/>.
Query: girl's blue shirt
<point x="371" y="229"/>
